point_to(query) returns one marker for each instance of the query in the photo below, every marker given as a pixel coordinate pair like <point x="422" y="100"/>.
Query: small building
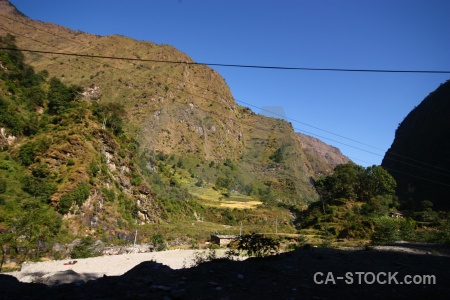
<point x="396" y="215"/>
<point x="222" y="240"/>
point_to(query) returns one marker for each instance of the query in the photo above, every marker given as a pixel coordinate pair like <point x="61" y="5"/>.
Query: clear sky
<point x="356" y="112"/>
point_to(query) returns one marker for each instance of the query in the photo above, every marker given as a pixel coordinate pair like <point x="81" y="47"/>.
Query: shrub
<point x="64" y="204"/>
<point x="205" y="256"/>
<point x="158" y="242"/>
<point x="386" y="231"/>
<point x="28" y="151"/>
<point x="257" y="245"/>
<point x="444" y="232"/>
<point x="109" y="194"/>
<point x="406" y="229"/>
<point x="199" y="183"/>
<point x="81" y="193"/>
<point x="84" y="249"/>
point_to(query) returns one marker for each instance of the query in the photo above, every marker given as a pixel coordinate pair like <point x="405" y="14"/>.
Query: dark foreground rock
<point x="285" y="276"/>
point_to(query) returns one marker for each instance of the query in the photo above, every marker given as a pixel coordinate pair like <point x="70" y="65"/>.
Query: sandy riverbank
<point x="113" y="265"/>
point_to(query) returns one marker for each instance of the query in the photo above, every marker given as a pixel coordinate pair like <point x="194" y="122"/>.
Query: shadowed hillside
<point x="419" y="156"/>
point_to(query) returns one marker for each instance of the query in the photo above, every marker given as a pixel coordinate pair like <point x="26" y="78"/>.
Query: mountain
<point x="109" y="143"/>
<point x="321" y="156"/>
<point x="418" y="158"/>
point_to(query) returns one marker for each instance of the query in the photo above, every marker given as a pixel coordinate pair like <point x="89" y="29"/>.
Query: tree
<point x="344" y="183"/>
<point x="350" y="181"/>
<point x="277" y="156"/>
<point x="84" y="249"/>
<point x="257" y="245"/>
<point x="111" y="115"/>
<point x="376" y="181"/>
<point x="386" y="231"/>
<point x="378" y="206"/>
<point x="60" y="96"/>
<point x="30" y="231"/>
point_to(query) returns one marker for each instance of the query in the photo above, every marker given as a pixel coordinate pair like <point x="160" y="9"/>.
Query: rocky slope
<point x="322" y="157"/>
<point x="180" y="109"/>
<point x="139" y="136"/>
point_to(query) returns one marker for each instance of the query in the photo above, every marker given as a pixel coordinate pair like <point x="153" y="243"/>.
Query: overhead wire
<point x="231" y="65"/>
<point x="266" y="67"/>
<point x="322" y="137"/>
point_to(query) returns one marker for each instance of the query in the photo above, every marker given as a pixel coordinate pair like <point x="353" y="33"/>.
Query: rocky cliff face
<point x="419" y="156"/>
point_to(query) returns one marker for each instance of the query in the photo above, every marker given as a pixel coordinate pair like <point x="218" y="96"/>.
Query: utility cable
<point x="231" y="65"/>
<point x="177" y="62"/>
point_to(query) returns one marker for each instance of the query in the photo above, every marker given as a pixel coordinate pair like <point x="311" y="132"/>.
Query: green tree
<point x="111" y="115"/>
<point x="84" y="249"/>
<point x="32" y="229"/>
<point x="350" y="181"/>
<point x="277" y="156"/>
<point x="386" y="231"/>
<point x="60" y="96"/>
<point x="376" y="181"/>
<point x="378" y="206"/>
<point x="35" y="96"/>
<point x="257" y="245"/>
<point x="344" y="183"/>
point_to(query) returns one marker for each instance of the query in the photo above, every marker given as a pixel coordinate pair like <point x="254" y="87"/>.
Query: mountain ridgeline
<point x="108" y="143"/>
<point x="419" y="157"/>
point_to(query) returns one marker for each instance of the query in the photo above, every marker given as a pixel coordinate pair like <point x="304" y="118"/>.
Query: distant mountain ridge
<point x="323" y="157"/>
<point x="419" y="157"/>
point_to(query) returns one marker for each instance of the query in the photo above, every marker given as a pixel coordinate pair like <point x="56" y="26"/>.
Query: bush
<point x="109" y="194"/>
<point x="158" y="242"/>
<point x="81" y="193"/>
<point x="84" y="249"/>
<point x="444" y="232"/>
<point x="406" y="229"/>
<point x="65" y="203"/>
<point x="386" y="231"/>
<point x="257" y="245"/>
<point x="60" y="96"/>
<point x="29" y="150"/>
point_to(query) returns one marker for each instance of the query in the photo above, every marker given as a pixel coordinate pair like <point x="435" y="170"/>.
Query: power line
<point x="231" y="65"/>
<point x="193" y="63"/>
<point x="312" y="126"/>
<point x="310" y="133"/>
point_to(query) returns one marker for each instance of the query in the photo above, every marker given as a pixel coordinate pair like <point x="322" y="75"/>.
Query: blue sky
<point x="356" y="112"/>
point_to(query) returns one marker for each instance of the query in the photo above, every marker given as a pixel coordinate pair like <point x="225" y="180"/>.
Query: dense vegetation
<point x="68" y="163"/>
<point x="360" y="203"/>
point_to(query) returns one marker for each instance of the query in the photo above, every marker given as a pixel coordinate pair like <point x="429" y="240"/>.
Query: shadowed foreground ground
<point x="285" y="276"/>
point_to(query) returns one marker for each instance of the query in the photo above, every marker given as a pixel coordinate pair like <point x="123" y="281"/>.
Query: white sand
<point x="109" y="265"/>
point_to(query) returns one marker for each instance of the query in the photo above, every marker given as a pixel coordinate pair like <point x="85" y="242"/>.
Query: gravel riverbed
<point x="109" y="265"/>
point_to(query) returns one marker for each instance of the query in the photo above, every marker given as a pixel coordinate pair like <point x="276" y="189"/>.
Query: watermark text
<point x="373" y="278"/>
